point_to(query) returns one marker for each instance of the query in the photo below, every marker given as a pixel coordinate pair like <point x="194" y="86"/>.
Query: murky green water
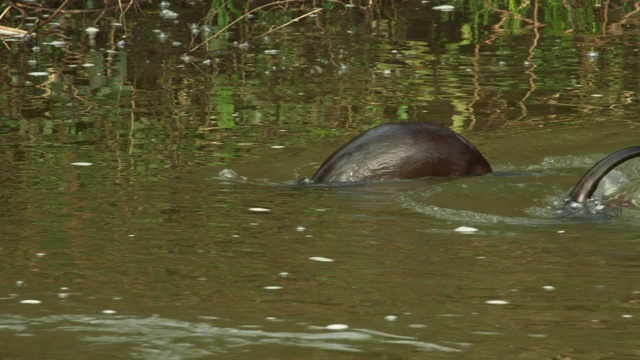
<point x="118" y="238"/>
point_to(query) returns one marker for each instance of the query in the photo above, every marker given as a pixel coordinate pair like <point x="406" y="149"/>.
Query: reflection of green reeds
<point x="557" y="16"/>
<point x="223" y="11"/>
<point x="554" y="16"/>
<point x="249" y="86"/>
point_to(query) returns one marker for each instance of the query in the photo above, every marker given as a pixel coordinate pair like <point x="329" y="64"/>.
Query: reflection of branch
<point x="605" y="18"/>
<point x="530" y="71"/>
<point x="497" y="28"/>
<point x="290" y="22"/>
<point x="271" y="5"/>
<point x="244" y="16"/>
<point x="75" y="91"/>
<point x="476" y="85"/>
<point x="52" y="16"/>
<point x="512" y="13"/>
<point x="616" y="28"/>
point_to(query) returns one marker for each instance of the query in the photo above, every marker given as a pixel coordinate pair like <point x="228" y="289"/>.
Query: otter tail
<point x="588" y="184"/>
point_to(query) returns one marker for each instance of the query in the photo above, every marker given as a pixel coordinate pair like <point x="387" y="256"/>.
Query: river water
<point x="149" y="212"/>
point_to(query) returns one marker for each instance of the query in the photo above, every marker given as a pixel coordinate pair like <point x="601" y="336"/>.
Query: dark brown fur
<point x="402" y="151"/>
<point x="398" y="151"/>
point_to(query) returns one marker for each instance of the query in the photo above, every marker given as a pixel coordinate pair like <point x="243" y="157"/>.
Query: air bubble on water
<point x="272" y="52"/>
<point x="391" y="318"/>
<point x="497" y="302"/>
<point x="417" y="326"/>
<point x="259" y="209"/>
<point x="343" y="69"/>
<point x="337" y="327"/>
<point x="537" y="335"/>
<point x="273" y="287"/>
<point x="549" y="288"/>
<point x="57" y="43"/>
<point x="30" y="301"/>
<point x="301" y="228"/>
<point x="168" y="14"/>
<point x="162" y="36"/>
<point x="109" y="312"/>
<point x="465" y="229"/>
<point x="321" y="259"/>
<point x="444" y="8"/>
<point x="91" y="31"/>
<point x="81" y="163"/>
<point x="38" y="73"/>
<point x="228" y="174"/>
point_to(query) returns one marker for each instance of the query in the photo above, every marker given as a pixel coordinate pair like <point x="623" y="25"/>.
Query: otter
<point x="400" y="151"/>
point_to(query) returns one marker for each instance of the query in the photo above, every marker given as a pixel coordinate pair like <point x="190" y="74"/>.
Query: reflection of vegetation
<point x="486" y="63"/>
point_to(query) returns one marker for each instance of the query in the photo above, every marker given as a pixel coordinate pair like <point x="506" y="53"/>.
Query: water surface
<point x="119" y="239"/>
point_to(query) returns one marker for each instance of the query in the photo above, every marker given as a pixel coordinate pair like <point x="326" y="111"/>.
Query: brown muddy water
<point x="121" y="239"/>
